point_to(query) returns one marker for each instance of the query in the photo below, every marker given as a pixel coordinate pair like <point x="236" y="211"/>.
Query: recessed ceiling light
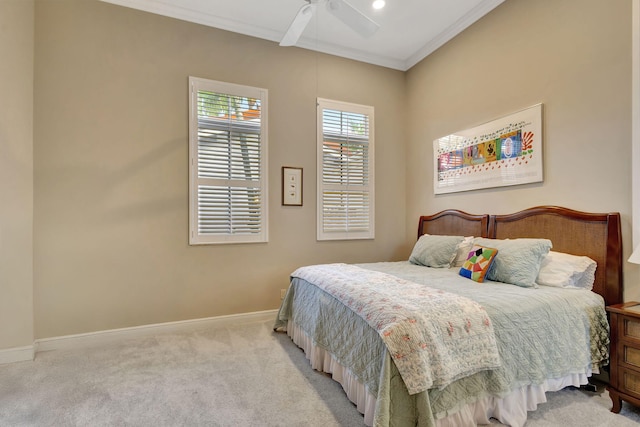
<point x="378" y="4"/>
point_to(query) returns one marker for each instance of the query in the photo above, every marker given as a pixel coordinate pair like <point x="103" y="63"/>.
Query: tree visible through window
<point x="228" y="143"/>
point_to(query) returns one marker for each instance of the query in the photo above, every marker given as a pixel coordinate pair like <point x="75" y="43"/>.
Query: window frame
<point x="369" y="187"/>
<point x="195" y="237"/>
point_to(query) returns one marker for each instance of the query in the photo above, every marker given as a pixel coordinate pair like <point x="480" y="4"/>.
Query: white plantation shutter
<point x="345" y="171"/>
<point x="228" y="180"/>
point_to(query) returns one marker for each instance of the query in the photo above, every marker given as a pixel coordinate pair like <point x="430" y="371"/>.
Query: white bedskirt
<point x="510" y="410"/>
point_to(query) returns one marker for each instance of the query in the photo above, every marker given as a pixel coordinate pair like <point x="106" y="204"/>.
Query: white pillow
<point x="462" y="251"/>
<point x="567" y="271"/>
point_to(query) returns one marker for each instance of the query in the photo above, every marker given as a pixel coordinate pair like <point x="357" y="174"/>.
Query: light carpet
<point x="240" y="375"/>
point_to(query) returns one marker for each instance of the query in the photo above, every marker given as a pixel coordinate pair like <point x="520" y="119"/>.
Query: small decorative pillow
<point x="435" y="251"/>
<point x="478" y="263"/>
<point x="519" y="260"/>
<point x="567" y="271"/>
<point x="462" y="251"/>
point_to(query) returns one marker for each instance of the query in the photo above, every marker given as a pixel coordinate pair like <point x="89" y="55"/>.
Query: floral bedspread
<point x="434" y="337"/>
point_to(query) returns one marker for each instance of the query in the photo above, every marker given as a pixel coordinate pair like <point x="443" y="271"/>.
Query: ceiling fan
<point x="342" y="10"/>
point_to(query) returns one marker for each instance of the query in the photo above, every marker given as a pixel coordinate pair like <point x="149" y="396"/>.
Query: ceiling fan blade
<point x="351" y="16"/>
<point x="298" y="25"/>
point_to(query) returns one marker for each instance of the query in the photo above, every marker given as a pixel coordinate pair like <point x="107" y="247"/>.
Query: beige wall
<point x="16" y="174"/>
<point x="111" y="175"/>
<point x="574" y="56"/>
<point x="110" y="150"/>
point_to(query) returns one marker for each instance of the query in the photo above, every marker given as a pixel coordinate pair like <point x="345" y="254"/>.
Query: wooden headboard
<point x="596" y="235"/>
<point x="453" y="222"/>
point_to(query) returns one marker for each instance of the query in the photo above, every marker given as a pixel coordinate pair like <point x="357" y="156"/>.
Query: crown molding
<point x="178" y="12"/>
<point x="459" y="26"/>
<point x="356" y="55"/>
<point x="163" y="8"/>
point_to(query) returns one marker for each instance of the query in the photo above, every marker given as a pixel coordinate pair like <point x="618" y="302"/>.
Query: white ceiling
<point x="409" y="29"/>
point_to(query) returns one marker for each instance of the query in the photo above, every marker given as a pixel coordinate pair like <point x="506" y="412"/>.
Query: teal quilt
<point x="540" y="333"/>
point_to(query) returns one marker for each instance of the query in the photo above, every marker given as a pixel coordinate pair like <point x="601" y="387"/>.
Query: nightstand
<point x="624" y="381"/>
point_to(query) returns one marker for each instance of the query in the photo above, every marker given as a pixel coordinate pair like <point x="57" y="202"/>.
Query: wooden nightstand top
<point x="631" y="308"/>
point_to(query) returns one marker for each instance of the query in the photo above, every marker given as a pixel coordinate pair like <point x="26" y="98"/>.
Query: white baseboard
<point x="17" y="354"/>
<point x="112" y="335"/>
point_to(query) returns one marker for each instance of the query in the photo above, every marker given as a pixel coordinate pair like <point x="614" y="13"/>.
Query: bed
<point x="470" y="350"/>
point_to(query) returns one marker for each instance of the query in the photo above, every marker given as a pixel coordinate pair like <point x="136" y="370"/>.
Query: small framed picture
<point x="291" y="186"/>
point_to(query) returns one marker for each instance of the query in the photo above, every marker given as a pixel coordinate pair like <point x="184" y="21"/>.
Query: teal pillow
<point x="435" y="251"/>
<point x="518" y="260"/>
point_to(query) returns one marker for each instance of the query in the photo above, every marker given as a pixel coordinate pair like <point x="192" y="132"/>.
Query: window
<point x="345" y="171"/>
<point x="227" y="163"/>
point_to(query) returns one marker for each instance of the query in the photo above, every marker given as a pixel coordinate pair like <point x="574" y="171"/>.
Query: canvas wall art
<point x="505" y="151"/>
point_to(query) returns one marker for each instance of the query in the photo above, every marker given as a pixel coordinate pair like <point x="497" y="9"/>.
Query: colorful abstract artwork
<point x="505" y="151"/>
